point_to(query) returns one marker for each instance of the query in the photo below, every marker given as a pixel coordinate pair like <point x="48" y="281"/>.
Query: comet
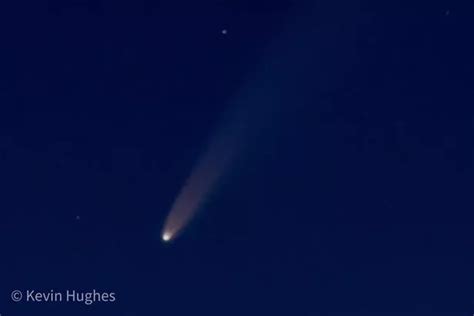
<point x="288" y="78"/>
<point x="214" y="164"/>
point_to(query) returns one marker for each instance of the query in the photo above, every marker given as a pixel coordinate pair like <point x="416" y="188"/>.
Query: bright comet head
<point x="166" y="237"/>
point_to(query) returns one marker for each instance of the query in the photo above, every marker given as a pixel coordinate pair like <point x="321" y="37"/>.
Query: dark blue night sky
<point x="354" y="195"/>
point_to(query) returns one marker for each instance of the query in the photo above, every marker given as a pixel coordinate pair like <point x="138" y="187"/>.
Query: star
<point x="224" y="31"/>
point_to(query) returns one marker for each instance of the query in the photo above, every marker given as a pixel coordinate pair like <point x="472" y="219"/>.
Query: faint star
<point x="78" y="217"/>
<point x="224" y="31"/>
